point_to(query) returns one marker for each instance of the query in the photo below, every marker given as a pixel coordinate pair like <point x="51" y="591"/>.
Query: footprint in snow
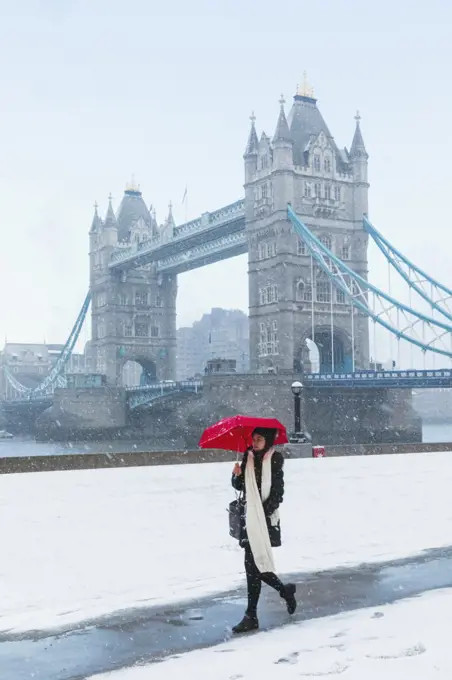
<point x="290" y="658"/>
<point x="335" y="669"/>
<point x="416" y="650"/>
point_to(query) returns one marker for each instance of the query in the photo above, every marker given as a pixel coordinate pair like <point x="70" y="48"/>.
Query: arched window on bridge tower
<point x="340" y="296"/>
<point x="301" y="247"/>
<point x="327" y="241"/>
<point x="345" y="251"/>
<point x="303" y="291"/>
<point x="322" y="287"/>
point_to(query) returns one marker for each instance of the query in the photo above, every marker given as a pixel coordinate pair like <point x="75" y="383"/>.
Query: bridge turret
<point x="251" y="152"/>
<point x="282" y="142"/>
<point x="170" y="219"/>
<point x="282" y="168"/>
<point x="96" y="226"/>
<point x="110" y="226"/>
<point x="359" y="161"/>
<point x="154" y="223"/>
<point x="169" y="225"/>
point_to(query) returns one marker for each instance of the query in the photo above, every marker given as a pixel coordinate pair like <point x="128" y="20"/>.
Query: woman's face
<point x="258" y="442"/>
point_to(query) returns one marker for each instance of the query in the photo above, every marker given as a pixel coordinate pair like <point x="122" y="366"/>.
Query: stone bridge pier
<point x="331" y="416"/>
<point x="83" y="413"/>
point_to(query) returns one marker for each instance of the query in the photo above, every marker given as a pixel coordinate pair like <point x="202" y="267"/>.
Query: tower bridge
<point x="303" y="221"/>
<point x="135" y="262"/>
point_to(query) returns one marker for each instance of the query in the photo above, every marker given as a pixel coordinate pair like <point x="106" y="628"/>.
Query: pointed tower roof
<point x="169" y="222"/>
<point x="154" y="223"/>
<point x="253" y="142"/>
<point x="306" y="123"/>
<point x="97" y="222"/>
<point x="110" y="218"/>
<point x="358" y="149"/>
<point x="282" y="132"/>
<point x="167" y="228"/>
<point x="132" y="207"/>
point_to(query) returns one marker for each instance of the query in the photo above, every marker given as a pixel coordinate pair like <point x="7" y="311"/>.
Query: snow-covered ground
<point x="84" y="543"/>
<point x="409" y="640"/>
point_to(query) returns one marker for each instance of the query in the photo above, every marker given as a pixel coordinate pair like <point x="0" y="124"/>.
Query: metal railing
<point x="365" y="379"/>
<point x="228" y="213"/>
<point x="146" y="394"/>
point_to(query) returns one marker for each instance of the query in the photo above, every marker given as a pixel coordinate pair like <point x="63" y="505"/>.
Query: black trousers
<point x="254" y="580"/>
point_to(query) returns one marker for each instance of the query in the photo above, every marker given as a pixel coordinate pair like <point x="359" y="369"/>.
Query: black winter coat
<point x="273" y="501"/>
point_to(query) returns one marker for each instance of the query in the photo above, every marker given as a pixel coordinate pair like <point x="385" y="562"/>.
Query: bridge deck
<point x="218" y="235"/>
<point x="410" y="379"/>
<point x="368" y="379"/>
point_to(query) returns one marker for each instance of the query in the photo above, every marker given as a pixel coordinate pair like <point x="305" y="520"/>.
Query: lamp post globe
<point x="297" y="386"/>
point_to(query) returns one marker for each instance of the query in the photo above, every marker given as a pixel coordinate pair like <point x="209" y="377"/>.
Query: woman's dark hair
<point x="268" y="434"/>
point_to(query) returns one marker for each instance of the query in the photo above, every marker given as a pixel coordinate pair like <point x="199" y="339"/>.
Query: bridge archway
<point x="139" y="371"/>
<point x="318" y="356"/>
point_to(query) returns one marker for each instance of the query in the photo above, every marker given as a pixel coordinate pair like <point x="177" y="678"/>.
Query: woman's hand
<point x="237" y="471"/>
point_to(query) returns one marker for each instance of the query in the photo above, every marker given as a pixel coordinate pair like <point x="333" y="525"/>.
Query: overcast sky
<point x="93" y="91"/>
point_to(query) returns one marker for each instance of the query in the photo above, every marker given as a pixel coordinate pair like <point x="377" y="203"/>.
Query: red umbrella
<point x="234" y="434"/>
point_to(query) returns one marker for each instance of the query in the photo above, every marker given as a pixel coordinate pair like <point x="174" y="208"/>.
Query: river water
<point x="437" y="432"/>
<point x="26" y="446"/>
<point x="23" y="446"/>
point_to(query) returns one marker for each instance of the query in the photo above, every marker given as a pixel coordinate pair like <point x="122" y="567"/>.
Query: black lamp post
<point x="297" y="388"/>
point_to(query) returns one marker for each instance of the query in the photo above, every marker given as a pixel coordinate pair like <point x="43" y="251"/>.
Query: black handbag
<point x="236" y="517"/>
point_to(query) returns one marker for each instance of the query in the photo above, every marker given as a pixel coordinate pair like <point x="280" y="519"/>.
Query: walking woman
<point x="261" y="479"/>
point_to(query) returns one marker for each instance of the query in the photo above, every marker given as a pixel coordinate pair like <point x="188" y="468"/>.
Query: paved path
<point x="150" y="634"/>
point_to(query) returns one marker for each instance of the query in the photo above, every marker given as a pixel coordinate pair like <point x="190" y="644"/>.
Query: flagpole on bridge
<point x="391" y="338"/>
<point x="433" y="316"/>
<point x="352" y="309"/>
<point x="411" y="344"/>
<point x="185" y="202"/>
<point x="332" y="325"/>
<point x="312" y="302"/>
<point x="375" y="332"/>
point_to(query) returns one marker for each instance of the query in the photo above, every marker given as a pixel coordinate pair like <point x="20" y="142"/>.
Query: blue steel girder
<point x="14" y="383"/>
<point x="207" y="253"/>
<point x="147" y="394"/>
<point x="413" y="275"/>
<point x="62" y="360"/>
<point x="209" y="227"/>
<point x="55" y="378"/>
<point x="356" y="290"/>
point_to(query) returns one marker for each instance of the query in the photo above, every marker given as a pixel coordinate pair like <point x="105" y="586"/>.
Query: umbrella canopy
<point x="234" y="434"/>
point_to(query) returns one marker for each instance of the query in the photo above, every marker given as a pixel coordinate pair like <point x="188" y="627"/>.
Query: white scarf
<point x="256" y="525"/>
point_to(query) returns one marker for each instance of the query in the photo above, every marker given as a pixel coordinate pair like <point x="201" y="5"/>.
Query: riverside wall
<point x="93" y="461"/>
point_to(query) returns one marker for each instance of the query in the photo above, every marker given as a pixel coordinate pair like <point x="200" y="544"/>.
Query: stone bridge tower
<point x="289" y="297"/>
<point x="133" y="312"/>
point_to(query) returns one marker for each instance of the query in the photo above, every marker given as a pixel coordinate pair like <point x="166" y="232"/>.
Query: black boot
<point x="246" y="625"/>
<point x="289" y="596"/>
